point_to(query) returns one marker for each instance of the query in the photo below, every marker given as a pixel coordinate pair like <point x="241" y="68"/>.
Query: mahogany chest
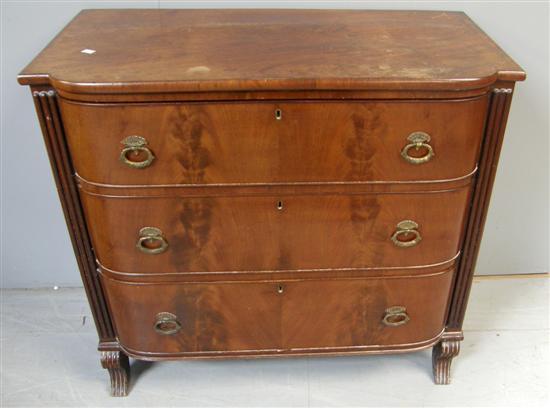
<point x="273" y="183"/>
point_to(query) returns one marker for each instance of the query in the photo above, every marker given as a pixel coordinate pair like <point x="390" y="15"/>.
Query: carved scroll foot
<point x="116" y="362"/>
<point x="442" y="356"/>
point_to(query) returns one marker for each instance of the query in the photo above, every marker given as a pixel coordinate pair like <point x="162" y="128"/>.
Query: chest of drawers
<point x="273" y="183"/>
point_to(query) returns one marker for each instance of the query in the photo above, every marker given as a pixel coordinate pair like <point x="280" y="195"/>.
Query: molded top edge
<point x="150" y="51"/>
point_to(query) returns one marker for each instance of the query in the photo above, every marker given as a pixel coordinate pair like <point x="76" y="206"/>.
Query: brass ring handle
<point x="167" y="324"/>
<point x="136" y="144"/>
<point x="406" y="227"/>
<point x="153" y="237"/>
<point x="418" y="140"/>
<point x="396" y="316"/>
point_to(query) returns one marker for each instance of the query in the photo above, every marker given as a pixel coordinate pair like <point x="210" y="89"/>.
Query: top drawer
<point x="274" y="142"/>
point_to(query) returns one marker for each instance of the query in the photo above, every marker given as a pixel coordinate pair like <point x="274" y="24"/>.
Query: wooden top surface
<point x="226" y="50"/>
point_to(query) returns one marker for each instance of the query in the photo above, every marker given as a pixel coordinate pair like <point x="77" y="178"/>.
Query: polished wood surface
<point x="281" y="274"/>
<point x="279" y="230"/>
<point x="225" y="50"/>
<point x="492" y="144"/>
<point x="252" y="233"/>
<point x="278" y="317"/>
<point x="290" y="95"/>
<point x="245" y="143"/>
<point x="47" y="109"/>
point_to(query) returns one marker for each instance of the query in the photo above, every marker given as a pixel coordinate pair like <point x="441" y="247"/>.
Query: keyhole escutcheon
<point x="279" y="205"/>
<point x="278" y="114"/>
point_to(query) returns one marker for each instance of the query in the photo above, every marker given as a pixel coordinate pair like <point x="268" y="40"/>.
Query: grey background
<point x="36" y="250"/>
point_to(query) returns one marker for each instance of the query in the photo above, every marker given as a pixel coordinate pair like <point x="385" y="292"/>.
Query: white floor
<point x="49" y="358"/>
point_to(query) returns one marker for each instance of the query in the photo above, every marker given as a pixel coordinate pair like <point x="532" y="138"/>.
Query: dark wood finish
<point x="244" y="143"/>
<point x="50" y="121"/>
<point x="494" y="135"/>
<point x="282" y="274"/>
<point x="226" y="50"/>
<point x="449" y="347"/>
<point x="250" y="190"/>
<point x="443" y="354"/>
<point x="251" y="234"/>
<point x="288" y="95"/>
<point x="246" y="278"/>
<point x="118" y="366"/>
<point x="279" y="317"/>
<point x="47" y="110"/>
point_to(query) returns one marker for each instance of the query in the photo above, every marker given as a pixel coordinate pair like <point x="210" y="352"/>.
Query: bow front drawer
<point x="159" y="320"/>
<point x="274" y="142"/>
<point x="144" y="235"/>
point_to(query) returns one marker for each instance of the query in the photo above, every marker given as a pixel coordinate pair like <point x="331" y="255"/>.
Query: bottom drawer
<point x="284" y="317"/>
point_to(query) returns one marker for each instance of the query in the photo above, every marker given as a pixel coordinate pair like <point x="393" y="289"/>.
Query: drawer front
<point x="273" y="317"/>
<point x="275" y="232"/>
<point x="243" y="143"/>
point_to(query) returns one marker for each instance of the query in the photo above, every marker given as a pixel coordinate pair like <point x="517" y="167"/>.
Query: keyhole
<point x="278" y="114"/>
<point x="280" y="288"/>
<point x="280" y="205"/>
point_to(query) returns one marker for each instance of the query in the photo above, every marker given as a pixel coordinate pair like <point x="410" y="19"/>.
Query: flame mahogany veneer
<point x="246" y="183"/>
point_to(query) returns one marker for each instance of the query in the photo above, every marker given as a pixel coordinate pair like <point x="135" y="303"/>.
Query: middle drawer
<point x="287" y="232"/>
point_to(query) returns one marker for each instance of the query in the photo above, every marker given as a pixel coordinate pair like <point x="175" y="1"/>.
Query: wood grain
<point x="278" y="231"/>
<point x="278" y="317"/>
<point x="251" y="233"/>
<point x="492" y="143"/>
<point x="244" y="143"/>
<point x="47" y="109"/>
<point x="143" y="51"/>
